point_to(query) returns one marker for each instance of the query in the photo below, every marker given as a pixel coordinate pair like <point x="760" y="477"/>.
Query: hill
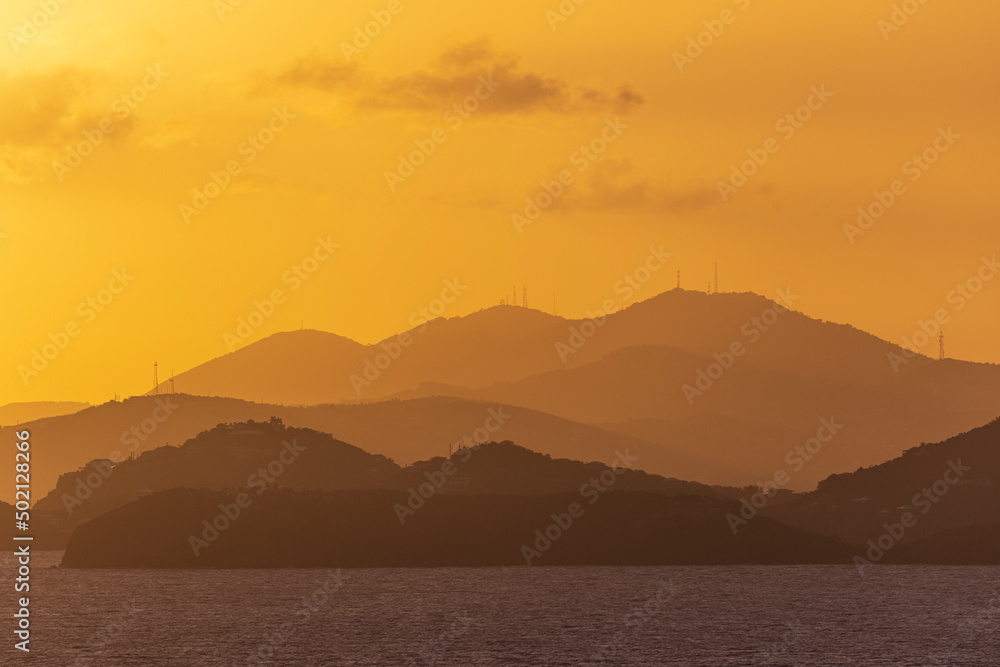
<point x="943" y="486"/>
<point x="406" y="431"/>
<point x="256" y="456"/>
<point x="361" y="529"/>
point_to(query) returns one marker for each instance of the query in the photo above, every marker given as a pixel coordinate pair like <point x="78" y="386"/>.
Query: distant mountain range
<point x="662" y="370"/>
<point x="721" y="389"/>
<point x="509" y="343"/>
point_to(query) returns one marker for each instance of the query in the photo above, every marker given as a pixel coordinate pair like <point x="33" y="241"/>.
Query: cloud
<point x="47" y="112"/>
<point x="455" y="75"/>
<point x="317" y="72"/>
<point x="45" y="107"/>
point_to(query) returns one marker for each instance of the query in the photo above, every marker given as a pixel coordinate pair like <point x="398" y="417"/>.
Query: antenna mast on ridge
<point x="941" y="346"/>
<point x="156" y="381"/>
<point x="716" y="277"/>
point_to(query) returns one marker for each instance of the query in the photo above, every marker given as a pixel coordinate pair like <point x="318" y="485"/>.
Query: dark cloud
<point x="455" y="75"/>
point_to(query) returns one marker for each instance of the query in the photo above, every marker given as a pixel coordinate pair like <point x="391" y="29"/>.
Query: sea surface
<point x="734" y="615"/>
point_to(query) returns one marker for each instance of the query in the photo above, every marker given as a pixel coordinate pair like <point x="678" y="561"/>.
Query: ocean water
<point x="741" y="615"/>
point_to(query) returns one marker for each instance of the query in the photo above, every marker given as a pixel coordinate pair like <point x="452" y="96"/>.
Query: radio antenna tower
<point x="524" y="296"/>
<point x="156" y="380"/>
<point x="678" y="280"/>
<point x="716" y="277"/>
<point x="941" y="346"/>
<point x="172" y="391"/>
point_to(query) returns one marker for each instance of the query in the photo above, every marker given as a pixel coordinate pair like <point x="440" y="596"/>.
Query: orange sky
<point x="320" y="163"/>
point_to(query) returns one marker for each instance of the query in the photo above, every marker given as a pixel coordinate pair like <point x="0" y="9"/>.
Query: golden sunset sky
<point x="186" y="84"/>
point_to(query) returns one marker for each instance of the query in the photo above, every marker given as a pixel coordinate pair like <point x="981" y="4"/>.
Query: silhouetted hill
<point x="793" y="343"/>
<point x="506" y="468"/>
<point x="245" y="456"/>
<point x="944" y="485"/>
<point x="406" y="431"/>
<point x="361" y="529"/>
<point x="19" y="413"/>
